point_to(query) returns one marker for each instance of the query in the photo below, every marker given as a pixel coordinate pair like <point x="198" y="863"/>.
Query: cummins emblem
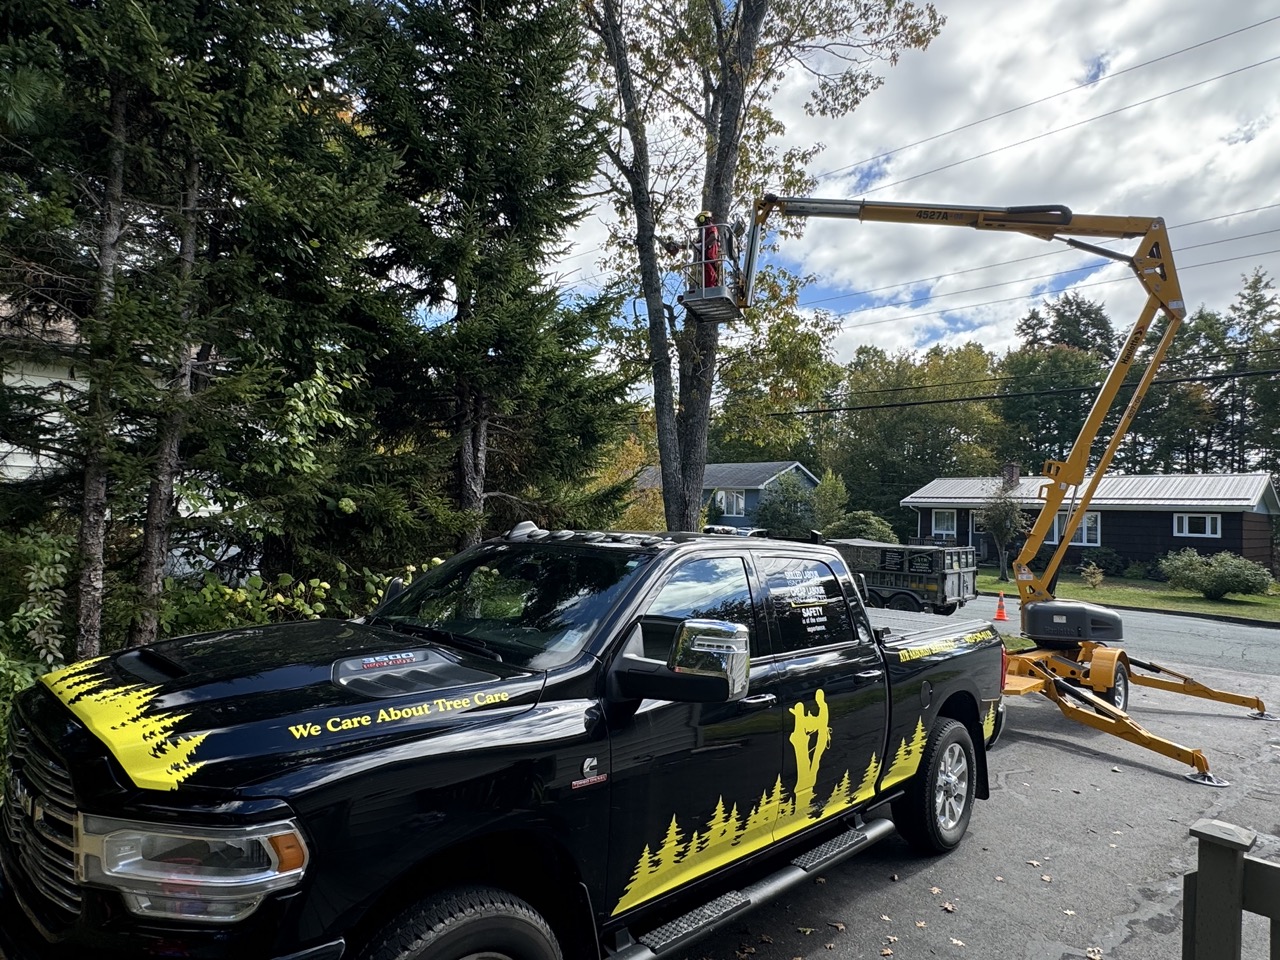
<point x="589" y="775"/>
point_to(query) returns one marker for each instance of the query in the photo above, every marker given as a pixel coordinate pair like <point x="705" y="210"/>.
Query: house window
<point x="732" y="503"/>
<point x="1088" y="534"/>
<point x="1197" y="525"/>
<point x="944" y="523"/>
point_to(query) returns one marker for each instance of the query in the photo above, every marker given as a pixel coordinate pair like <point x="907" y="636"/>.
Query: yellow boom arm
<point x="1152" y="264"/>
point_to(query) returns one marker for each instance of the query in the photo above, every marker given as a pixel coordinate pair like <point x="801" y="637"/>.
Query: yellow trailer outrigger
<point x="1071" y="663"/>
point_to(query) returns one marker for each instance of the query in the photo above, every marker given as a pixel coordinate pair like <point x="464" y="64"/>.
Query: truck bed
<point x="905" y="626"/>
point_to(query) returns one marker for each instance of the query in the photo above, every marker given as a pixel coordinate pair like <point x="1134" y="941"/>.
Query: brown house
<point x="1139" y="517"/>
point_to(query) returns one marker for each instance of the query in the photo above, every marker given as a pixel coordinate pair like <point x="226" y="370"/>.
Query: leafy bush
<point x="861" y="525"/>
<point x="1093" y="575"/>
<point x="1136" y="570"/>
<point x="35" y="563"/>
<point x="15" y="676"/>
<point x="1215" y="577"/>
<point x="210" y="604"/>
<point x="1105" y="559"/>
<point x="785" y="508"/>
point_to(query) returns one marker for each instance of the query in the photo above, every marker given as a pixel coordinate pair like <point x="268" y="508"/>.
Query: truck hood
<point x="207" y="709"/>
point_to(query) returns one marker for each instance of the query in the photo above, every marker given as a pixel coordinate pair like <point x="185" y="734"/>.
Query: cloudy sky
<point x="1108" y="108"/>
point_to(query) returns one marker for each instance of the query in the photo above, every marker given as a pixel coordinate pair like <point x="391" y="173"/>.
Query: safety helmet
<point x="703" y="218"/>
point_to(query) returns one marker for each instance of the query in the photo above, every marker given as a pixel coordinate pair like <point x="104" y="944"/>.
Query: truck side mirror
<point x="716" y="649"/>
<point x="710" y="662"/>
<point x="393" y="590"/>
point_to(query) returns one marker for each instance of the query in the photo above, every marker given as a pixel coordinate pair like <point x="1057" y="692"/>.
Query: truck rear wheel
<point x="933" y="814"/>
<point x="904" y="601"/>
<point x="471" y="923"/>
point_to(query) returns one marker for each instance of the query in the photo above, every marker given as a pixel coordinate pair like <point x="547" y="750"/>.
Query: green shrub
<point x="1136" y="570"/>
<point x="201" y="606"/>
<point x="1215" y="577"/>
<point x="1093" y="575"/>
<point x="861" y="525"/>
<point x="15" y="676"/>
<point x="1105" y="559"/>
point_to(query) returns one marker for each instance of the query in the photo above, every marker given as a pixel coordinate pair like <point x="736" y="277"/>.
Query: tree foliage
<point x="1003" y="519"/>
<point x="786" y="507"/>
<point x="693" y="86"/>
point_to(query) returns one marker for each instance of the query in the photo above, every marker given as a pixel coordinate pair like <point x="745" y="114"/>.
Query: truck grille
<point x="39" y="816"/>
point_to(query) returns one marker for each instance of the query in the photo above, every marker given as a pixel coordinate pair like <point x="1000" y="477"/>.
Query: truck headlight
<point x="201" y="874"/>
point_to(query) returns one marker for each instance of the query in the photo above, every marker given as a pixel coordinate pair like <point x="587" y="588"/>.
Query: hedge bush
<point x="1216" y="576"/>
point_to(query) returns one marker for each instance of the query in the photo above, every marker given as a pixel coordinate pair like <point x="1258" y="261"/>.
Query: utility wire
<point x="1069" y="126"/>
<point x="1059" y="391"/>
<point x="1029" y="296"/>
<point x="1034" y="103"/>
<point x="1201" y="358"/>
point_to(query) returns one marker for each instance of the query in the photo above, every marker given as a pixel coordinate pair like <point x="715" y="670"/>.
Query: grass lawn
<point x="1147" y="595"/>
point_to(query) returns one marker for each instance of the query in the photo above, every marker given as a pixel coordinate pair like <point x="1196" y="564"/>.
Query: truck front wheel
<point x="933" y="814"/>
<point x="471" y="923"/>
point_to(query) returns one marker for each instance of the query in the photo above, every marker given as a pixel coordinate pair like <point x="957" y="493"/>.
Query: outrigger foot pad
<point x="1206" y="779"/>
<point x="1263" y="715"/>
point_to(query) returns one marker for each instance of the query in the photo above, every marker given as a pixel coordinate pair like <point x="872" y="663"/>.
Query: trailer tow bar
<point x="1194" y="688"/>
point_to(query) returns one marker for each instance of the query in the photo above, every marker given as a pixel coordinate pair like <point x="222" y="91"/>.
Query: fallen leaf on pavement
<point x="765" y="938"/>
<point x="1046" y="878"/>
<point x="890" y="939"/>
<point x="893" y="877"/>
<point x="819" y="879"/>
<point x="999" y="879"/>
<point x="1069" y="913"/>
<point x="829" y="946"/>
<point x="958" y="943"/>
<point x="886" y="952"/>
<point x="1034" y="863"/>
<point x="949" y="907"/>
<point x="886" y="918"/>
<point x="835" y="923"/>
<point x="921" y="923"/>
<point x="935" y="890"/>
<point x="805" y="930"/>
<point x="1094" y="953"/>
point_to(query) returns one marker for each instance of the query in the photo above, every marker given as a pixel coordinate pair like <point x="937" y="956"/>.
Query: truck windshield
<point x="532" y="604"/>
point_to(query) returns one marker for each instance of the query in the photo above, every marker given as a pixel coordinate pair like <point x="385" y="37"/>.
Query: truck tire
<point x="933" y="814"/>
<point x="470" y="922"/>
<point x="904" y="601"/>
<point x="946" y="609"/>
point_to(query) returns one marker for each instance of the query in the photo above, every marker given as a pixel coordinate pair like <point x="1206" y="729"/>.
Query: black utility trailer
<point x="925" y="576"/>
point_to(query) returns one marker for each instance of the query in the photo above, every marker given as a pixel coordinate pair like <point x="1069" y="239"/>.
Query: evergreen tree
<point x="477" y="100"/>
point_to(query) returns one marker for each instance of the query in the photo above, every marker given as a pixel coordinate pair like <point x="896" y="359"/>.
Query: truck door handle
<point x="761" y="701"/>
<point x="870" y="675"/>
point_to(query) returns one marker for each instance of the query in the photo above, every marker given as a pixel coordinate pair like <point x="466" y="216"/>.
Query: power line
<point x="1033" y="103"/>
<point x="1029" y="296"/>
<point x="1069" y="126"/>
<point x="1201" y="358"/>
<point x="901" y="404"/>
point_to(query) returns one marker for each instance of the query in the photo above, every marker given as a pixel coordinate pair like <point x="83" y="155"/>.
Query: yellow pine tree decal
<point x="727" y="836"/>
<point x="989" y="722"/>
<point x="841" y="797"/>
<point x="867" y="788"/>
<point x="907" y="759"/>
<point x="121" y="718"/>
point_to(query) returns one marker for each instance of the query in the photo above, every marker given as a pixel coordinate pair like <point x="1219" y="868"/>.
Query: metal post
<point x="1219" y="895"/>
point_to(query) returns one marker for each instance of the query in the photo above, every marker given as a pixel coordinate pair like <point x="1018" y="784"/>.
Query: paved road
<point x="1105" y="821"/>
<point x="1187" y="640"/>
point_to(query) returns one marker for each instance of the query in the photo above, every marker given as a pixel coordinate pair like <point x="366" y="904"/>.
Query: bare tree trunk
<point x="155" y="536"/>
<point x="682" y="427"/>
<point x="637" y="174"/>
<point x="95" y="435"/>
<point x="473" y="450"/>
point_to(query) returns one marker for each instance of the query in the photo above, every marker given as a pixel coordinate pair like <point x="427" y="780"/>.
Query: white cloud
<point x="1188" y="156"/>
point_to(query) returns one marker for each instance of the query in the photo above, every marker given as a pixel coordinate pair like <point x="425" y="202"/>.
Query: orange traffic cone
<point x="1000" y="614"/>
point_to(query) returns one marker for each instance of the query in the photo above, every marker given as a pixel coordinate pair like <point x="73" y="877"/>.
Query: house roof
<point x="1250" y="492"/>
<point x="732" y="476"/>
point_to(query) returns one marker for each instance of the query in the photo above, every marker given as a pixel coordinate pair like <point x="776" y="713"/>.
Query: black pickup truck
<point x="562" y="743"/>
